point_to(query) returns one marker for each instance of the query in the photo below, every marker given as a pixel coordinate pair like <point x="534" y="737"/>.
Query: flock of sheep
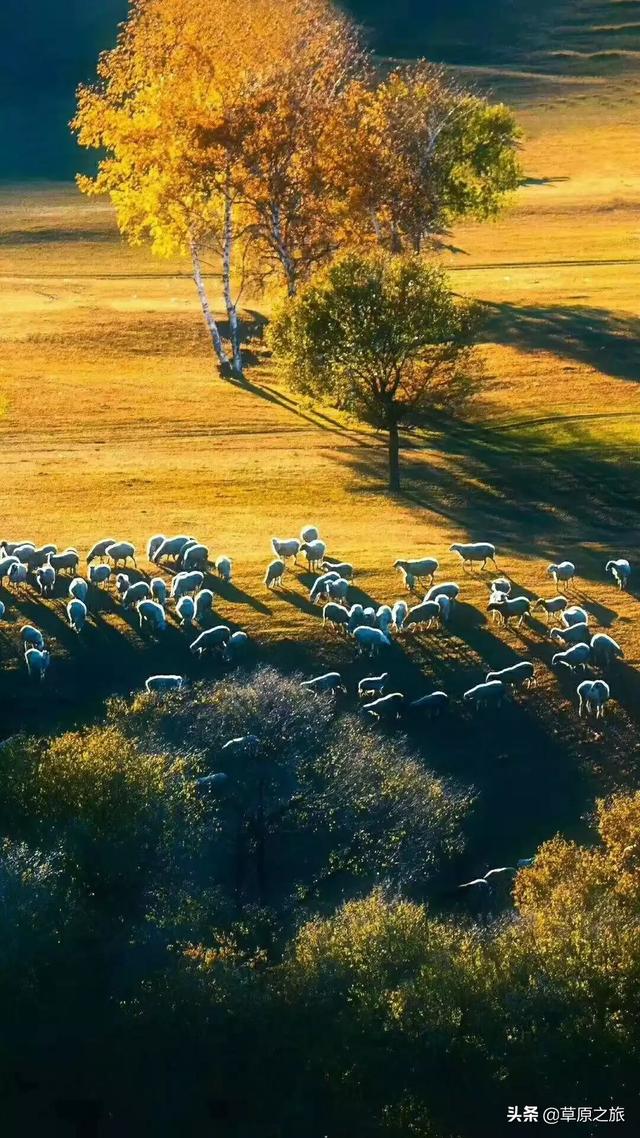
<point x="371" y="629"/>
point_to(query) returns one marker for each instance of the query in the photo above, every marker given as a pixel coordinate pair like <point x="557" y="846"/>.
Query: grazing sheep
<point x="136" y="592"/>
<point x="317" y="590"/>
<point x="511" y="608"/>
<point x="285" y="549"/>
<point x="337" y="590"/>
<point x="500" y="585"/>
<point x="46" y="580"/>
<point x="76" y="614"/>
<point x="37" y="661"/>
<point x="184" y="583"/>
<point x="335" y="615"/>
<point x="424" y="567"/>
<point x="204" y="604"/>
<point x="275" y="572"/>
<point x="329" y="682"/>
<point x="37" y="557"/>
<point x="309" y="533"/>
<point x="3" y="609"/>
<point x="356" y="614"/>
<point x="410" y="581"/>
<point x="224" y="568"/>
<point x="605" y="650"/>
<point x="444" y="604"/>
<point x="158" y="590"/>
<point x="370" y="640"/>
<point x="79" y="589"/>
<point x="342" y="568"/>
<point x="387" y="707"/>
<point x="521" y="673"/>
<point x="154" y="544"/>
<point x="121" y="551"/>
<point x="372" y="685"/>
<point x="100" y="549"/>
<point x="592" y="696"/>
<point x="486" y="694"/>
<point x="575" y="634"/>
<point x="552" y="606"/>
<point x="399" y="611"/>
<point x="151" y="614"/>
<point x="238" y="641"/>
<point x="164" y="683"/>
<point x="574" y="615"/>
<point x="5" y="566"/>
<point x="425" y="614"/>
<point x="99" y="574"/>
<point x="195" y="557"/>
<point x="475" y="551"/>
<point x="384" y="617"/>
<point x="369" y="617"/>
<point x="314" y="552"/>
<point x="170" y="547"/>
<point x="431" y="705"/>
<point x="449" y="589"/>
<point x="577" y="656"/>
<point x="563" y="571"/>
<point x="18" y="574"/>
<point x="211" y="638"/>
<point x="11" y="546"/>
<point x="123" y="582"/>
<point x="186" y="610"/>
<point x="32" y="636"/>
<point x="68" y="560"/>
<point x="24" y="552"/>
<point x="620" y="571"/>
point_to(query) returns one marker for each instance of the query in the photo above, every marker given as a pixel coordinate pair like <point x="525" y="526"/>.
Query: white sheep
<point x="138" y="591"/>
<point x="5" y="566"/>
<point x="24" y="552"/>
<point x="204" y="604"/>
<point x="224" y="568"/>
<point x="164" y="683"/>
<point x="79" y="589"/>
<point x="186" y="610"/>
<point x="32" y="636"/>
<point x="372" y="685"/>
<point x="76" y="614"/>
<point x="37" y="661"/>
<point x="37" y="557"/>
<point x="337" y="590"/>
<point x="314" y="552"/>
<point x="370" y="640"/>
<point x="309" y="533"/>
<point x="290" y="547"/>
<point x="274" y="574"/>
<point x="564" y="571"/>
<point x="237" y="642"/>
<point x="620" y="571"/>
<point x="384" y="617"/>
<point x="577" y="656"/>
<point x="552" y="606"/>
<point x="423" y="567"/>
<point x="356" y="613"/>
<point x="18" y="574"/>
<point x="510" y="608"/>
<point x="410" y="581"/>
<point x="46" y="580"/>
<point x="100" y="549"/>
<point x="425" y="614"/>
<point x="574" y="615"/>
<point x="449" y="589"/>
<point x="185" y="583"/>
<point x="3" y="609"/>
<point x="151" y="614"/>
<point x="500" y="585"/>
<point x="342" y="568"/>
<point x="317" y="590"/>
<point x="605" y="650"/>
<point x="475" y="551"/>
<point x="211" y="638"/>
<point x="170" y="547"/>
<point x="335" y="615"/>
<point x="121" y="551"/>
<point x="433" y="704"/>
<point x="486" y="694"/>
<point x="99" y="574"/>
<point x="123" y="582"/>
<point x="399" y="611"/>
<point x="195" y="557"/>
<point x="575" y="634"/>
<point x="329" y="682"/>
<point x="68" y="560"/>
<point x="444" y="604"/>
<point x="592" y="696"/>
<point x="10" y="547"/>
<point x="386" y="707"/>
<point x="520" y="673"/>
<point x="158" y="589"/>
<point x="154" y="544"/>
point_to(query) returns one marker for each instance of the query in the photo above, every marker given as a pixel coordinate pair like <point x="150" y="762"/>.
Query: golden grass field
<point x="114" y="423"/>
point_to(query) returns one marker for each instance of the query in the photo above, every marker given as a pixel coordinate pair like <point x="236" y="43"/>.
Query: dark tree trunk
<point x="394" y="458"/>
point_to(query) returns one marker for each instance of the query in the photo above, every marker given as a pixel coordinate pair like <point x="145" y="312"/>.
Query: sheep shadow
<point x="231" y="593"/>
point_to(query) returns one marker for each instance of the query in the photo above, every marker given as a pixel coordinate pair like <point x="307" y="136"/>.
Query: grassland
<point x="114" y="423"/>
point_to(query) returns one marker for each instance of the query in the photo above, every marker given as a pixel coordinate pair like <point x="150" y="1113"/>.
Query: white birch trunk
<point x="209" y="318"/>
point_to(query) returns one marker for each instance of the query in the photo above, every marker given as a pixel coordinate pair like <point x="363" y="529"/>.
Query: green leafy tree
<point x="383" y="338"/>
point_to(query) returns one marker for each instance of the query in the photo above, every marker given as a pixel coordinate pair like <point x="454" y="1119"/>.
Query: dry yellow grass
<point x="114" y="423"/>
